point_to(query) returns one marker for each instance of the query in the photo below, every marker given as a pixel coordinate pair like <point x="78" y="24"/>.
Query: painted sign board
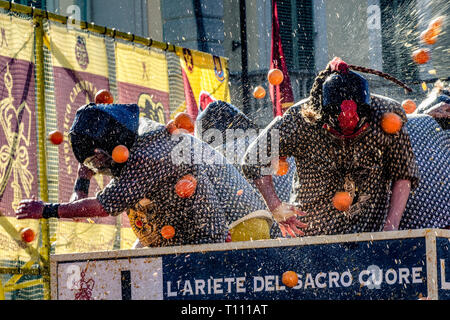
<point x="397" y="265"/>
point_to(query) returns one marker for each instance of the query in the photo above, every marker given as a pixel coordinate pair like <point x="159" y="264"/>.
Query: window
<point x="296" y="30"/>
<point x="40" y="4"/>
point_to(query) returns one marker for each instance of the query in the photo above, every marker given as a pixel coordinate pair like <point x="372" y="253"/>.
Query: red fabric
<point x="205" y="99"/>
<point x="341" y="136"/>
<point x="348" y="118"/>
<point x="337" y="64"/>
<point x="281" y="95"/>
<point x="191" y="104"/>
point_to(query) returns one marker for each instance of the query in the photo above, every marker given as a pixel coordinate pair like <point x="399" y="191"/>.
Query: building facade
<point x="380" y="34"/>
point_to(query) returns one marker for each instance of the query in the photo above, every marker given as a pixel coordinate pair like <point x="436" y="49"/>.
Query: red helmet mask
<point x="345" y="101"/>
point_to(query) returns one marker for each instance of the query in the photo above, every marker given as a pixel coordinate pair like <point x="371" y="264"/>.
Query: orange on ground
<point x="184" y="121"/>
<point x="27" y="235"/>
<point x="167" y="232"/>
<point x="275" y="77"/>
<point x="280" y="166"/>
<point x="391" y="122"/>
<point x="342" y="200"/>
<point x="421" y="56"/>
<point x="289" y="279"/>
<point x="56" y="137"/>
<point x="103" y="97"/>
<point x="120" y="154"/>
<point x="428" y="36"/>
<point x="409" y="106"/>
<point x="186" y="186"/>
<point x="259" y="92"/>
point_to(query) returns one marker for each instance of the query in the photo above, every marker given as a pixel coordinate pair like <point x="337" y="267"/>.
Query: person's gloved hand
<point x="286" y="216"/>
<point x="30" y="209"/>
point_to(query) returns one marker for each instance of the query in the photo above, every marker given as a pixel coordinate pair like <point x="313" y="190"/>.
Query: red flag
<point x="205" y="99"/>
<point x="191" y="104"/>
<point x="281" y="95"/>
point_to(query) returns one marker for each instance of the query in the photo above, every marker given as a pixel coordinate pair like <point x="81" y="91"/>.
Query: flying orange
<point x="168" y="232"/>
<point x="56" y="137"/>
<point x="391" y="122"/>
<point x="120" y="154"/>
<point x="275" y="76"/>
<point x="186" y="186"/>
<point x="409" y="106"/>
<point x="421" y="56"/>
<point x="289" y="279"/>
<point x="435" y="25"/>
<point x="342" y="200"/>
<point x="103" y="97"/>
<point x="184" y="121"/>
<point x="428" y="36"/>
<point x="259" y="92"/>
<point x="27" y="235"/>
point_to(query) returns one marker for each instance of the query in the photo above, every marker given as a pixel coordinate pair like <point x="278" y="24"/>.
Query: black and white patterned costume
<point x="324" y="162"/>
<point x="223" y="116"/>
<point x="429" y="205"/>
<point x="146" y="187"/>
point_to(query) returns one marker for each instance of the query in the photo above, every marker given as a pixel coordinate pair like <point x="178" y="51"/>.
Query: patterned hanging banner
<point x="18" y="142"/>
<point x="18" y="136"/>
<point x="142" y="78"/>
<point x="80" y="70"/>
<point x="205" y="79"/>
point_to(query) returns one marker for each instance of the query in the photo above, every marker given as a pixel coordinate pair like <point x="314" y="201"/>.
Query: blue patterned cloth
<point x="429" y="205"/>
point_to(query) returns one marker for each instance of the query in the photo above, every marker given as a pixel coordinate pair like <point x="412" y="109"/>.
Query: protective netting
<point x="77" y="63"/>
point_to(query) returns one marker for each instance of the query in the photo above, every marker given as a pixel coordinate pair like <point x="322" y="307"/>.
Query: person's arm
<point x="284" y="213"/>
<point x="283" y="135"/>
<point x="81" y="188"/>
<point x="36" y="209"/>
<point x="402" y="170"/>
<point x="267" y="190"/>
<point x="399" y="198"/>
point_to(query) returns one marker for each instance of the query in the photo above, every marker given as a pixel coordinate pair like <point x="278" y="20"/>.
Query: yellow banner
<point x="16" y="38"/>
<point x="77" y="51"/>
<point x="142" y="67"/>
<point x="18" y="138"/>
<point x="127" y="238"/>
<point x="83" y="237"/>
<point x="12" y="247"/>
<point x="142" y="78"/>
<point x="207" y="74"/>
